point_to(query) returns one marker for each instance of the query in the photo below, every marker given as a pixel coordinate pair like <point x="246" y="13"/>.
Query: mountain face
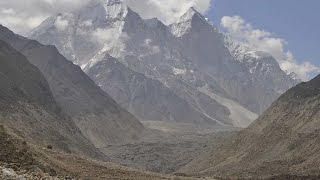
<point x="263" y="66"/>
<point x="143" y="96"/>
<point x="190" y="58"/>
<point x="284" y="140"/>
<point x="94" y="112"/>
<point x="29" y="109"/>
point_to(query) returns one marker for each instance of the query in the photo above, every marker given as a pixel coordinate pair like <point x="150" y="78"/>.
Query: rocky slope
<point x="22" y="160"/>
<point x="145" y="97"/>
<point x="95" y="113"/>
<point x="282" y="143"/>
<point x="27" y="106"/>
<point x="166" y="154"/>
<point x="189" y="57"/>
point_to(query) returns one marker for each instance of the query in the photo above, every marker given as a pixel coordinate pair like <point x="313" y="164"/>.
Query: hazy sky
<point x="288" y="29"/>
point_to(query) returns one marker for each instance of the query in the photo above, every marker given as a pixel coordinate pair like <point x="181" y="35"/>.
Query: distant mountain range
<point x="188" y="65"/>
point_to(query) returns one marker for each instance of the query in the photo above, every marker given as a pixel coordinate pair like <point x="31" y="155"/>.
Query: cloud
<point x="8" y="11"/>
<point x="61" y="24"/>
<point x="256" y="39"/>
<point x="109" y="36"/>
<point x="105" y="35"/>
<point x="87" y="23"/>
<point x="167" y="10"/>
<point x="23" y="15"/>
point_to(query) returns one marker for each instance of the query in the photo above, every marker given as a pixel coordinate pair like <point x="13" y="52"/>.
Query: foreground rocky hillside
<point x="282" y="143"/>
<point x="95" y="113"/>
<point x="28" y="108"/>
<point x="21" y="160"/>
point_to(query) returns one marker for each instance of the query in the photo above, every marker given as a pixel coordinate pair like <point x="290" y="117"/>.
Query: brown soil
<point x="35" y="162"/>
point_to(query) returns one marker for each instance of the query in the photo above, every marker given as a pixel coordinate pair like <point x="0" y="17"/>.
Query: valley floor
<point x="21" y="160"/>
<point x="66" y="166"/>
<point x="166" y="148"/>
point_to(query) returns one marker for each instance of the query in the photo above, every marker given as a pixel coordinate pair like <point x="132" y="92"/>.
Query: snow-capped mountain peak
<point x="189" y="15"/>
<point x="96" y="27"/>
<point x="115" y="9"/>
<point x="185" y="22"/>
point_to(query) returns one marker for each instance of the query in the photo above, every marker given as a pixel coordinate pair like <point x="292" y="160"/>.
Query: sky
<point x="287" y="29"/>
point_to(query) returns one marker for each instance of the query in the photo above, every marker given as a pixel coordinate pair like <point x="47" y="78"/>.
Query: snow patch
<point x="257" y="54"/>
<point x="87" y="23"/>
<point x="152" y="48"/>
<point x="115" y="9"/>
<point x="177" y="71"/>
<point x="61" y="24"/>
<point x="112" y="42"/>
<point x="240" y="116"/>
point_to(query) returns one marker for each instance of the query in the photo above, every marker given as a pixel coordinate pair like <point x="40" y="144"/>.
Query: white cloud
<point x="109" y="36"/>
<point x="9" y="11"/>
<point x="261" y="40"/>
<point x="22" y="16"/>
<point x="61" y="24"/>
<point x="167" y="10"/>
<point x="104" y="35"/>
<point x="87" y="23"/>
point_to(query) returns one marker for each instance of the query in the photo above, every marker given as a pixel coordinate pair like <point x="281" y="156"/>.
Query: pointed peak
<point x="154" y="23"/>
<point x="195" y="11"/>
<point x="190" y="14"/>
<point x="151" y="22"/>
<point x="115" y="8"/>
<point x="192" y="18"/>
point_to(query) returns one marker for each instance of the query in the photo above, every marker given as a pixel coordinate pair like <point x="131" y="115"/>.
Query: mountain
<point x="282" y="143"/>
<point x="262" y="65"/>
<point x="28" y="108"/>
<point x="143" y="96"/>
<point x="95" y="113"/>
<point x="190" y="58"/>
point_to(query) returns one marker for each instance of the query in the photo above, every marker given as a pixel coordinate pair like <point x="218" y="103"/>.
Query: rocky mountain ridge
<point x="95" y="113"/>
<point x="282" y="143"/>
<point x="28" y="108"/>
